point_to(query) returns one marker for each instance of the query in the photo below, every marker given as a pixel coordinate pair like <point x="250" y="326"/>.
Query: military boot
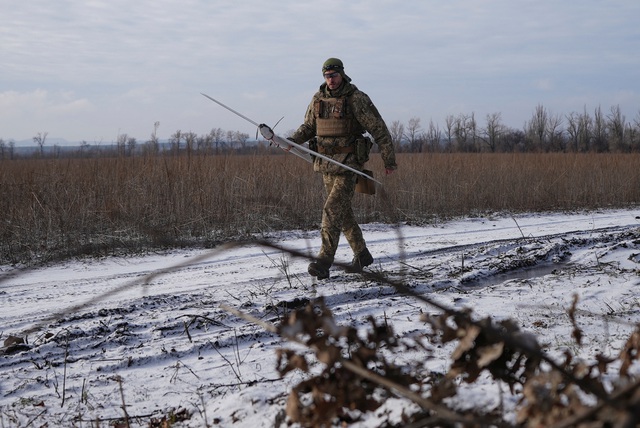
<point x="319" y="269"/>
<point x="361" y="260"/>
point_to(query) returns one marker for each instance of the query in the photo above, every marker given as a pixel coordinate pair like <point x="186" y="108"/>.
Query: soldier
<point x="335" y="123"/>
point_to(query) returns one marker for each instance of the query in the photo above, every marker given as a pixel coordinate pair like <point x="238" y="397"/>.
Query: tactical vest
<point x="334" y="117"/>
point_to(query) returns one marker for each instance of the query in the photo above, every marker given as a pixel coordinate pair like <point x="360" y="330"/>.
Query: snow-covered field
<point x="147" y="335"/>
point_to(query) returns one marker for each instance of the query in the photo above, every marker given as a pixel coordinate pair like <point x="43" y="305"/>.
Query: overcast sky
<point x="92" y="70"/>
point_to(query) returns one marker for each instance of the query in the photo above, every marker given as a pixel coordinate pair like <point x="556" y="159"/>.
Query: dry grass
<point x="461" y="184"/>
<point x="61" y="207"/>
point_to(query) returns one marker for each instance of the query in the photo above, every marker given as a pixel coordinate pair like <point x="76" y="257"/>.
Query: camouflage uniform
<point x="351" y="149"/>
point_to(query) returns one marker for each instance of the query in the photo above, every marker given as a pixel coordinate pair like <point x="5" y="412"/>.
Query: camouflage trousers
<point x="337" y="216"/>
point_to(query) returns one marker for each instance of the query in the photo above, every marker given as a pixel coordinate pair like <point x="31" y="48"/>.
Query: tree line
<point x="544" y="132"/>
<point x="217" y="141"/>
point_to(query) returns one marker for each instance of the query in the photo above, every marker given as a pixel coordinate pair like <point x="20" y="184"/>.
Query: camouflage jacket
<point x="368" y="119"/>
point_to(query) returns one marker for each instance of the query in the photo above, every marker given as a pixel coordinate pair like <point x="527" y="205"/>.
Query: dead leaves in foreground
<point x="356" y="377"/>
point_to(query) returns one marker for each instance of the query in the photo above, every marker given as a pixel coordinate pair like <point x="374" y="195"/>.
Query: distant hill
<point x="50" y="141"/>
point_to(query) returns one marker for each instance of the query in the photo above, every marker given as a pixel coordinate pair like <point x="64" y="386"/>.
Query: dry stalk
<point x="366" y="374"/>
<point x="66" y="207"/>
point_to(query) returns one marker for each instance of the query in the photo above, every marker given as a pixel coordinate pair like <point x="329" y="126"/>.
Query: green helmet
<point x="332" y="64"/>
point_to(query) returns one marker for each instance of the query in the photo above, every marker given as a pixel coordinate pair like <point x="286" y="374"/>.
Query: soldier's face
<point x="333" y="79"/>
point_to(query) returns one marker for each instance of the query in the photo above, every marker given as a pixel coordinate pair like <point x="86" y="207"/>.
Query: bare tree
<point x="230" y="138"/>
<point x="585" y="131"/>
<point x="397" y="132"/>
<point x="536" y="128"/>
<point x="434" y="137"/>
<point x="493" y="131"/>
<point x="616" y="130"/>
<point x="599" y="132"/>
<point x="84" y="148"/>
<point x="555" y="133"/>
<point x="573" y="123"/>
<point x="631" y="135"/>
<point x="203" y="142"/>
<point x="237" y="140"/>
<point x="131" y="146"/>
<point x="449" y="122"/>
<point x="121" y="144"/>
<point x="473" y="131"/>
<point x="174" y="142"/>
<point x="514" y="140"/>
<point x="154" y="142"/>
<point x="217" y="137"/>
<point x="413" y="134"/>
<point x="40" y="139"/>
<point x="241" y="139"/>
<point x="190" y="141"/>
<point x="463" y="129"/>
<point x="635" y="134"/>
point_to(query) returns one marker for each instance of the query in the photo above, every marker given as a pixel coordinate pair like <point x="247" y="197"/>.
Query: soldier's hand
<point x="388" y="171"/>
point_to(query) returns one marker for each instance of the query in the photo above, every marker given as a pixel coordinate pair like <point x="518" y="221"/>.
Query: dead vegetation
<point x="59" y="208"/>
<point x="357" y="376"/>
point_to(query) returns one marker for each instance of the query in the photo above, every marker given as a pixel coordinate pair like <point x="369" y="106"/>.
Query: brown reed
<point x="54" y="208"/>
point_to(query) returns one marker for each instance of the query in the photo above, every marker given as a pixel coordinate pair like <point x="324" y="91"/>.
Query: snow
<point x="150" y="331"/>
